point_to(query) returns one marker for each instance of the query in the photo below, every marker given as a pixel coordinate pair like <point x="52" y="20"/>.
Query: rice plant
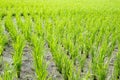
<point x="38" y="56"/>
<point x="18" y="47"/>
<point x="82" y="36"/>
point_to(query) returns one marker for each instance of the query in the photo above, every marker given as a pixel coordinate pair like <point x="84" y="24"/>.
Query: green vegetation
<point x="83" y="37"/>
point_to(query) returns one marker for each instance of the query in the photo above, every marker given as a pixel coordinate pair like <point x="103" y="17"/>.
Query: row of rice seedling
<point x="62" y="61"/>
<point x="18" y="47"/>
<point x="18" y="44"/>
<point x="24" y="25"/>
<point x="54" y="41"/>
<point x="37" y="44"/>
<point x="13" y="32"/>
<point x="66" y="37"/>
<point x="117" y="60"/>
<point x="109" y="47"/>
<point x="7" y="74"/>
<point x="3" y="38"/>
<point x="3" y="42"/>
<point x="38" y="54"/>
<point x="117" y="67"/>
<point x="73" y="34"/>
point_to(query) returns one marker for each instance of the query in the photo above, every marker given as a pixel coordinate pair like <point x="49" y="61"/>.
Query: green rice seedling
<point x="1" y="46"/>
<point x="99" y="66"/>
<point x="71" y="43"/>
<point x="102" y="71"/>
<point x="117" y="65"/>
<point x="69" y="72"/>
<point x="56" y="52"/>
<point x="80" y="57"/>
<point x="96" y="45"/>
<point x="87" y="76"/>
<point x="81" y="60"/>
<point x="117" y="60"/>
<point x="74" y="31"/>
<point x="62" y="61"/>
<point x="99" y="70"/>
<point x="27" y="28"/>
<point x="62" y="64"/>
<point x="3" y="39"/>
<point x="18" y="47"/>
<point x="8" y="73"/>
<point x="59" y="61"/>
<point x="38" y="28"/>
<point x="38" y="56"/>
<point x="72" y="50"/>
<point x="24" y="27"/>
<point x="20" y="23"/>
<point x="10" y="28"/>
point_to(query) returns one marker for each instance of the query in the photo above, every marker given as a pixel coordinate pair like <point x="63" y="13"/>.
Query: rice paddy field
<point x="59" y="40"/>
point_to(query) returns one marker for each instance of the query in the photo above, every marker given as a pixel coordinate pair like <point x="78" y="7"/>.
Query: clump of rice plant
<point x="18" y="47"/>
<point x="3" y="39"/>
<point x="38" y="56"/>
<point x="9" y="73"/>
<point x="117" y="67"/>
<point x="10" y="28"/>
